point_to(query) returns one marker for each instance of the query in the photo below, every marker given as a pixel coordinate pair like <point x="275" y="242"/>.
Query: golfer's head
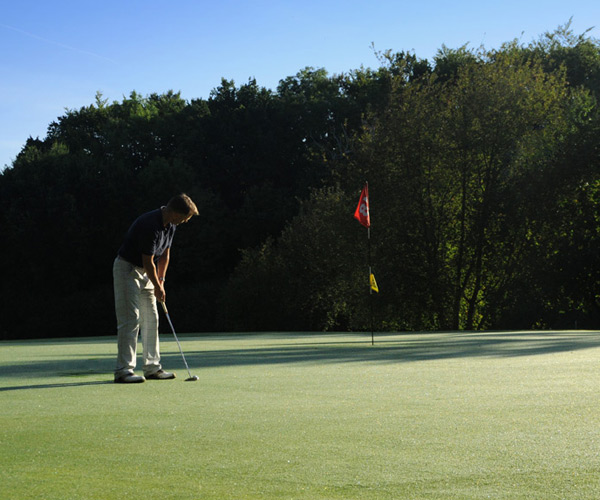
<point x="182" y="207"/>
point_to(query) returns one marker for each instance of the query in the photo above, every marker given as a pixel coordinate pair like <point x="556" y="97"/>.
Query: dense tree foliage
<point x="484" y="175"/>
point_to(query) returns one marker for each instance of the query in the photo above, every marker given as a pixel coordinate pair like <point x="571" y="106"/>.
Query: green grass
<point x="275" y="416"/>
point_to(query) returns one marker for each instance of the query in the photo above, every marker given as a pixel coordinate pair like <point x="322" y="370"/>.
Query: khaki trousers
<point x="135" y="306"/>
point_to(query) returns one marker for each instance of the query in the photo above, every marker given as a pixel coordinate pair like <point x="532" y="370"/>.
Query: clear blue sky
<point x="57" y="54"/>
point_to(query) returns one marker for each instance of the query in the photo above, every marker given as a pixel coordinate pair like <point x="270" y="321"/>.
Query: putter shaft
<point x="164" y="306"/>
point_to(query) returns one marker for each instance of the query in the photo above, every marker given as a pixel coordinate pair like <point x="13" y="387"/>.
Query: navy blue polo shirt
<point x="147" y="236"/>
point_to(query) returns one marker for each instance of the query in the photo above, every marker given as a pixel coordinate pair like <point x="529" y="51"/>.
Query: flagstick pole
<point x="370" y="287"/>
<point x="362" y="215"/>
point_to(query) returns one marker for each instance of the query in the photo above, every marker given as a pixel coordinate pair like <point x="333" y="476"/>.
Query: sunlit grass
<point x="419" y="416"/>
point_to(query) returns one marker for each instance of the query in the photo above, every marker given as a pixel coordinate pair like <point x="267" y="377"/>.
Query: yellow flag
<point x="374" y="286"/>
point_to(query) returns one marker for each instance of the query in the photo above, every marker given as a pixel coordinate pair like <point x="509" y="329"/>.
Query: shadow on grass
<point x="53" y="386"/>
<point x="395" y="348"/>
<point x="278" y="349"/>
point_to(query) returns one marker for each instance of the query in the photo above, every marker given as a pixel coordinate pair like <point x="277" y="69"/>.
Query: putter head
<point x="192" y="378"/>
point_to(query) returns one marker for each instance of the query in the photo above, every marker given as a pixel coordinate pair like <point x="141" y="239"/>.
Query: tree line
<point x="484" y="179"/>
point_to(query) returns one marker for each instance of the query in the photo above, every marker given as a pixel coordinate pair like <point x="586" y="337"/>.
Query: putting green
<point x="512" y="415"/>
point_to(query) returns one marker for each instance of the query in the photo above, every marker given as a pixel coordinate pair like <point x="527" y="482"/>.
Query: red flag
<point x="362" y="209"/>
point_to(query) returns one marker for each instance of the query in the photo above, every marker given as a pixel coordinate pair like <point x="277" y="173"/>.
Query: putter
<point x="191" y="378"/>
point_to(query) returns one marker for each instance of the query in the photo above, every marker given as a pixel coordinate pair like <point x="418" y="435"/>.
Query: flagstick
<point x="364" y="218"/>
<point x="370" y="287"/>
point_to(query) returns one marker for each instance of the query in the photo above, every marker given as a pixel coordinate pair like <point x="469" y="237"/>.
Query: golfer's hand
<point x="159" y="293"/>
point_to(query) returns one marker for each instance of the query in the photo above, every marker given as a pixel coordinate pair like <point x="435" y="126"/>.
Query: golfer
<point x="139" y="274"/>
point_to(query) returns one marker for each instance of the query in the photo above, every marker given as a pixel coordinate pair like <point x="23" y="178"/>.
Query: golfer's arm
<point x="163" y="263"/>
<point x="150" y="269"/>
